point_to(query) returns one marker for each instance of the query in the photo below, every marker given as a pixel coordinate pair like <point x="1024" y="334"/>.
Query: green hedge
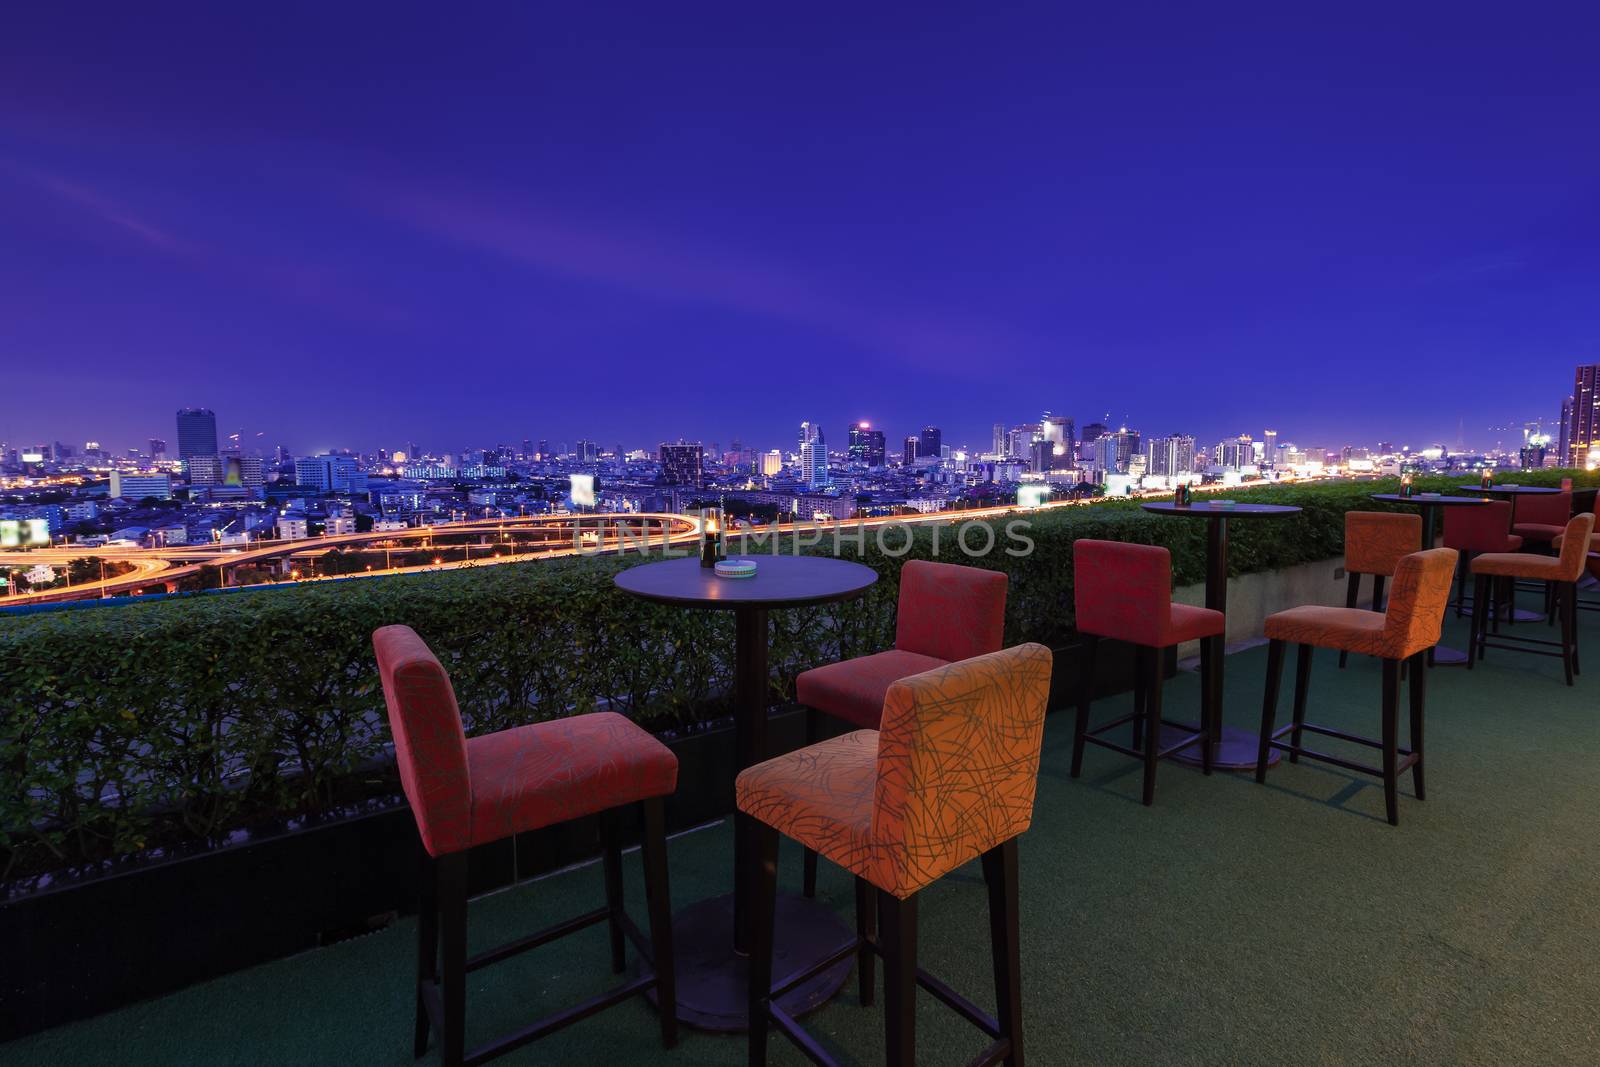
<point x="124" y="728"/>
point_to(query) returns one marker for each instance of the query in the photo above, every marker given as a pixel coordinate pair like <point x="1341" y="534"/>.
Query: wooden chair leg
<point x="611" y="856"/>
<point x="1152" y="721"/>
<point x="1302" y="690"/>
<point x="897" y="923"/>
<point x="813" y="735"/>
<point x="1208" y="702"/>
<point x="658" y="899"/>
<point x="763" y="905"/>
<point x="453" y="935"/>
<point x="1377" y="592"/>
<point x="866" y="934"/>
<point x="1567" y="634"/>
<point x="427" y="947"/>
<point x="1570" y="591"/>
<point x="1269" y="707"/>
<point x="1080" y="730"/>
<point x="1000" y="872"/>
<point x="1141" y="689"/>
<point x="1418" y="697"/>
<point x="1480" y="614"/>
<point x="1391" y="740"/>
<point x="1352" y="594"/>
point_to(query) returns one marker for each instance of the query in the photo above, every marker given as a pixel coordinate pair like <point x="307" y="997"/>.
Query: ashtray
<point x="736" y="568"/>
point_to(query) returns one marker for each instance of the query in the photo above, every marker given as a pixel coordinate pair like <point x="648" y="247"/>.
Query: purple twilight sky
<point x="361" y="224"/>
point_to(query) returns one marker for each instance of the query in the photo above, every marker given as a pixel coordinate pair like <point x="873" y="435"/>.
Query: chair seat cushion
<point x="1346" y="629"/>
<point x="1517" y="565"/>
<point x="550" y="772"/>
<point x="1191" y="623"/>
<point x="821" y="796"/>
<point x="1538" y="531"/>
<point x="853" y="689"/>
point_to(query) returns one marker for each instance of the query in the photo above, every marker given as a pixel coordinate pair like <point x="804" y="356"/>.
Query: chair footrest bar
<point x="802" y="1040"/>
<point x="543" y="937"/>
<point x="995" y="1053"/>
<point x="845" y="950"/>
<point x="958" y="1003"/>
<point x="1403" y="764"/>
<point x="560" y="1020"/>
<point x="1520" y="648"/>
<point x="1328" y="731"/>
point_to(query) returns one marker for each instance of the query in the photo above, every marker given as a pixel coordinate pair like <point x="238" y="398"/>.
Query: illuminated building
<point x="197" y="432"/>
<point x="1583" y="427"/>
<point x="931" y="442"/>
<point x="139" y="486"/>
<point x="683" y="463"/>
<point x="813" y="456"/>
<point x="866" y="445"/>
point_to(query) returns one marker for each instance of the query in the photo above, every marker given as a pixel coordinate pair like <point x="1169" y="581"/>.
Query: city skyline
<point x="569" y="223"/>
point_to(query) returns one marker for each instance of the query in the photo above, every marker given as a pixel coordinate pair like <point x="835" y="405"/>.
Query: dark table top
<point x="1437" y="498"/>
<point x="1510" y="489"/>
<point x="780" y="581"/>
<point x="1206" y="510"/>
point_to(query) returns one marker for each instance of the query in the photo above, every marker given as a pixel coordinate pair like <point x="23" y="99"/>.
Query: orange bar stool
<point x="948" y="778"/>
<point x="945" y="613"/>
<point x="1124" y="592"/>
<point x="1560" y="573"/>
<point x="1374" y="543"/>
<point x="473" y="791"/>
<point x="1473" y="531"/>
<point x="1405" y="630"/>
<point x="1541" y="518"/>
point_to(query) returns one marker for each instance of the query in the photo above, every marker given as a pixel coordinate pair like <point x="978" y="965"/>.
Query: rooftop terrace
<point x="1230" y="923"/>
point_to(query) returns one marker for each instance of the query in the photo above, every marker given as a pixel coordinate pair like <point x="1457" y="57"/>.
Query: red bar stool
<point x="1404" y="631"/>
<point x="1541" y="517"/>
<point x="472" y="791"/>
<point x="945" y="613"/>
<point x="1474" y="531"/>
<point x="1374" y="543"/>
<point x="1124" y="592"/>
<point x="1560" y="573"/>
<point x="949" y="778"/>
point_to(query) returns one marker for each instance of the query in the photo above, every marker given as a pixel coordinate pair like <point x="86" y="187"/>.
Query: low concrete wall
<point x="1252" y="597"/>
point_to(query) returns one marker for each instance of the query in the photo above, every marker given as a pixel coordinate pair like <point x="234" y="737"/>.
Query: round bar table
<point x="1237" y="749"/>
<point x="1440" y="655"/>
<point x="1511" y="492"/>
<point x="710" y="937"/>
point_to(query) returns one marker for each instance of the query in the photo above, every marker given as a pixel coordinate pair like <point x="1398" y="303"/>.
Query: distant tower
<point x="931" y="442"/>
<point x="813" y="456"/>
<point x="197" y="432"/>
<point x="999" y="449"/>
<point x="1269" y="447"/>
<point x="1584" y="433"/>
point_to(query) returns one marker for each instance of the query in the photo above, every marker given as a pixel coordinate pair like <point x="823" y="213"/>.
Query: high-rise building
<point x="158" y="448"/>
<point x="241" y="470"/>
<point x="866" y="445"/>
<point x="1564" y="432"/>
<point x="325" y="474"/>
<point x="683" y="463"/>
<point x="544" y="450"/>
<point x="1058" y="432"/>
<point x="813" y="456"/>
<point x="1269" y="447"/>
<point x="197" y="432"/>
<point x="139" y="486"/>
<point x="1021" y="438"/>
<point x="771" y="463"/>
<point x="931" y="442"/>
<point x="1583" y="433"/>
<point x="998" y="449"/>
<point x="203" y="470"/>
<point x="1170" y="455"/>
<point x="909" y="457"/>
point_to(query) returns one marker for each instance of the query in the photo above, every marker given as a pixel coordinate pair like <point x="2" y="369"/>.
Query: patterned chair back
<point x="1376" y="541"/>
<point x="1414" y="615"/>
<point x="958" y="764"/>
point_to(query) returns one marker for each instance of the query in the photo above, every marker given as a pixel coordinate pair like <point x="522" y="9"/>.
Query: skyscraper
<point x="813" y="456"/>
<point x="1058" y="432"/>
<point x="683" y="463"/>
<point x="1170" y="455"/>
<point x="866" y="445"/>
<point x="909" y="457"/>
<point x="999" y="447"/>
<point x="1583" y="433"/>
<point x="931" y="442"/>
<point x="197" y="432"/>
<point x="158" y="448"/>
<point x="1269" y="447"/>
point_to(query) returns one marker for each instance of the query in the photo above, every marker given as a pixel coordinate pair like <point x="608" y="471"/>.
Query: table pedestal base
<point x="1237" y="752"/>
<point x="713" y="980"/>
<point x="1444" y="656"/>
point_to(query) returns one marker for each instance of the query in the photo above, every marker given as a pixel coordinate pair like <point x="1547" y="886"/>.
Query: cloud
<point x="677" y="270"/>
<point x="103" y="208"/>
